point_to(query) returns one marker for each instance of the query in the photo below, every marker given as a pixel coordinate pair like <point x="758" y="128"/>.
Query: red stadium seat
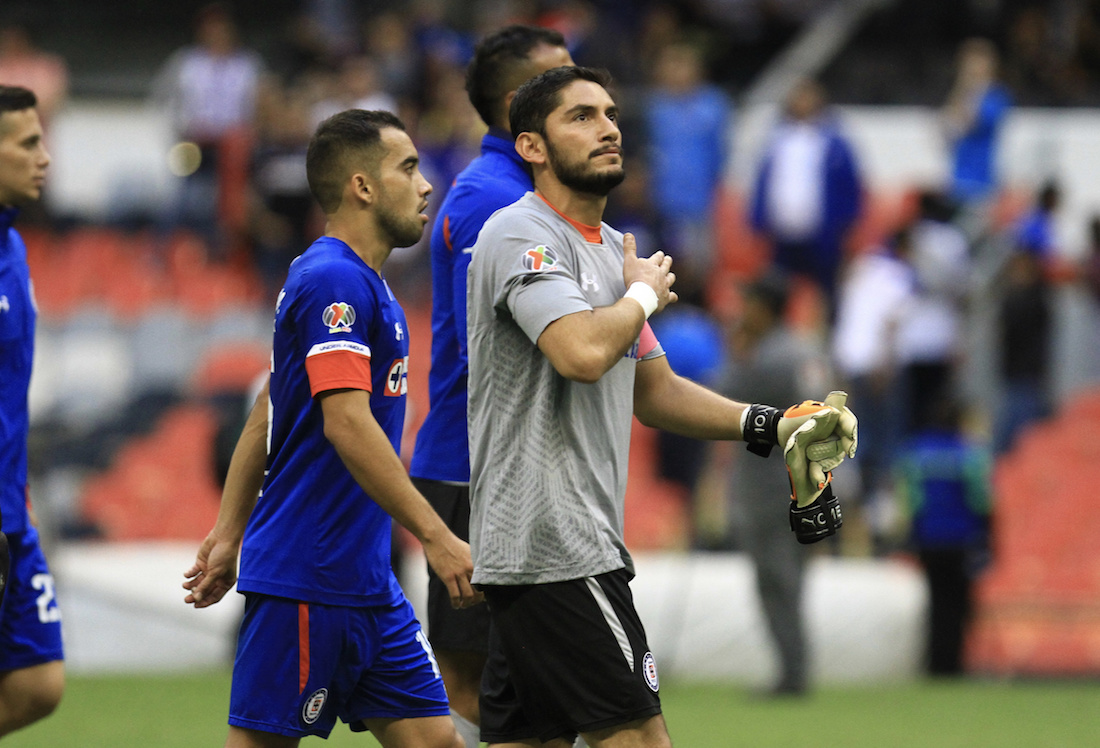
<point x="1037" y="607"/>
<point x="658" y="512"/>
<point x="162" y="486"/>
<point x="230" y="367"/>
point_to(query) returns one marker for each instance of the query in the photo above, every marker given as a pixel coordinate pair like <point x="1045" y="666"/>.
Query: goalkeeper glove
<point x="763" y="426"/>
<point x="816" y="437"/>
<point x="842" y="443"/>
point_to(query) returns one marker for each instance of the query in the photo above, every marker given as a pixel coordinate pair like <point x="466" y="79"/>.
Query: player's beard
<point x="582" y="176"/>
<point x="402" y="231"/>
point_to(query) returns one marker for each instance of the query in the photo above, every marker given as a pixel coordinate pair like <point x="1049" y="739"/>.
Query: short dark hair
<point x="541" y="95"/>
<point x="16" y="99"/>
<point x="351" y="133"/>
<point x="495" y="57"/>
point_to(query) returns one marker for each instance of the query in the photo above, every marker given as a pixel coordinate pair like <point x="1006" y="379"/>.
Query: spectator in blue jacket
<point x="808" y="192"/>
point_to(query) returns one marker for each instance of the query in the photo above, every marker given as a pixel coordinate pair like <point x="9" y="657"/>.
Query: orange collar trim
<point x="591" y="234"/>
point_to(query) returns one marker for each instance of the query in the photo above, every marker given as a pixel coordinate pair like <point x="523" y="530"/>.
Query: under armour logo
<point x="398" y="331"/>
<point x="5" y="305"/>
<point x="588" y="280"/>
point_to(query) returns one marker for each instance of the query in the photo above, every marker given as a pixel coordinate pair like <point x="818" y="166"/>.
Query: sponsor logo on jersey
<point x="311" y="710"/>
<point x="5" y="305"/>
<point x="649" y="671"/>
<point x="588" y="280"/>
<point x="540" y="259"/>
<point x="338" y="316"/>
<point x="397" y="380"/>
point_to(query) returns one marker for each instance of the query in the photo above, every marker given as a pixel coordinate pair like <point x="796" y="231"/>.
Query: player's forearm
<point x="683" y="407"/>
<point x="368" y="455"/>
<point x="245" y="477"/>
<point x="585" y="345"/>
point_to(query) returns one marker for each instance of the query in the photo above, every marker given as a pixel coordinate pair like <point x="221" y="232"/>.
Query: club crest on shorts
<point x="311" y="710"/>
<point x="540" y="259"/>
<point x="338" y="316"/>
<point x="649" y="670"/>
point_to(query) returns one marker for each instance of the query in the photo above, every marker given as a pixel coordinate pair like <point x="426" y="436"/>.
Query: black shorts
<point x="565" y="658"/>
<point x="449" y="629"/>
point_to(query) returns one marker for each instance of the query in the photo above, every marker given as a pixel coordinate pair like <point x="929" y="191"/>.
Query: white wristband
<point x="644" y="295"/>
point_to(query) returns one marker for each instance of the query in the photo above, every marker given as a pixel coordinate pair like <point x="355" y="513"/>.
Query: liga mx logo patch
<point x="338" y="317"/>
<point x="540" y="259"/>
<point x="649" y="671"/>
<point x="311" y="711"/>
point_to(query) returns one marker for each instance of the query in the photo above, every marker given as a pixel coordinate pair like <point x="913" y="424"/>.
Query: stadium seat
<point x="1037" y="611"/>
<point x="165" y="344"/>
<point x="658" y="512"/>
<point x="230" y="367"/>
<point x="161" y="486"/>
<point x="94" y="375"/>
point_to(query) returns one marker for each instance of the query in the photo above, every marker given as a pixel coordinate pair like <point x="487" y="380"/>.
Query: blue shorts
<point x="30" y="621"/>
<point x="300" y="666"/>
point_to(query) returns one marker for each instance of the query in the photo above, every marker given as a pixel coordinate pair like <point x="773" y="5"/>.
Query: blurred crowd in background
<point x="886" y="314"/>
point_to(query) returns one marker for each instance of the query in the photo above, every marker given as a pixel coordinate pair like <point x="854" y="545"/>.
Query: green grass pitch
<point x="188" y="711"/>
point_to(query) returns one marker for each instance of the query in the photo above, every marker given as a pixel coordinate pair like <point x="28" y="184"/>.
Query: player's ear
<point x="362" y="188"/>
<point x="507" y="107"/>
<point x="531" y="147"/>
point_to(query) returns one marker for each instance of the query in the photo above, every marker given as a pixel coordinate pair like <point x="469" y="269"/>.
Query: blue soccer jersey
<point x="17" y="320"/>
<point x="315" y="535"/>
<point x="495" y="179"/>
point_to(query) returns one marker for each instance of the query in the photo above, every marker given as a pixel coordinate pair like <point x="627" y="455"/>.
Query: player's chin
<point x="614" y="170"/>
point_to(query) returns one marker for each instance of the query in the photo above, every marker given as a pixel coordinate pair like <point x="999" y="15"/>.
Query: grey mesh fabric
<point x="548" y="455"/>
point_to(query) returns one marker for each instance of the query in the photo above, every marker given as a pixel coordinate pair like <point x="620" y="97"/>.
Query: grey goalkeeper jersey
<point x="548" y="456"/>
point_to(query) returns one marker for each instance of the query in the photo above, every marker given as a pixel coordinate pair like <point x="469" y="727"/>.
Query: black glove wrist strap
<point x="761" y="428"/>
<point x="817" y="520"/>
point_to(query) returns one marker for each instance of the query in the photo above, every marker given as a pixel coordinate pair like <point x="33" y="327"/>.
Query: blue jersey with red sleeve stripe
<point x="315" y="535"/>
<point x="496" y="178"/>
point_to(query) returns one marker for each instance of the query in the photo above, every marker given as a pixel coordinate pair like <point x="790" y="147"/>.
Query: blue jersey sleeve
<point x="473" y="203"/>
<point x="335" y="314"/>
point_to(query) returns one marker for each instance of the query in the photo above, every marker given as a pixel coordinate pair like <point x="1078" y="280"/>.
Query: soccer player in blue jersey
<point x="441" y="458"/>
<point x="32" y="669"/>
<point x="327" y="631"/>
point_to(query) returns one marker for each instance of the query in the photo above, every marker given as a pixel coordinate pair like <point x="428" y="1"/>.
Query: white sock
<point x="467" y="730"/>
<point x="579" y="742"/>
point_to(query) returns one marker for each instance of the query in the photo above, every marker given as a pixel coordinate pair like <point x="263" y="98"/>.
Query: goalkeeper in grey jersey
<point x="561" y="357"/>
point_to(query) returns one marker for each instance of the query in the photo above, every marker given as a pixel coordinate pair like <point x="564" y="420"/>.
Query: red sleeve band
<point x="337" y="366"/>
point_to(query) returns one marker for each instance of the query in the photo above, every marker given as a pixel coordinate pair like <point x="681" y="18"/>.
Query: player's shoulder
<point x="326" y="254"/>
<point x="329" y="263"/>
<point x="489" y="181"/>
<point x="529" y="217"/>
<point x="12" y="246"/>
